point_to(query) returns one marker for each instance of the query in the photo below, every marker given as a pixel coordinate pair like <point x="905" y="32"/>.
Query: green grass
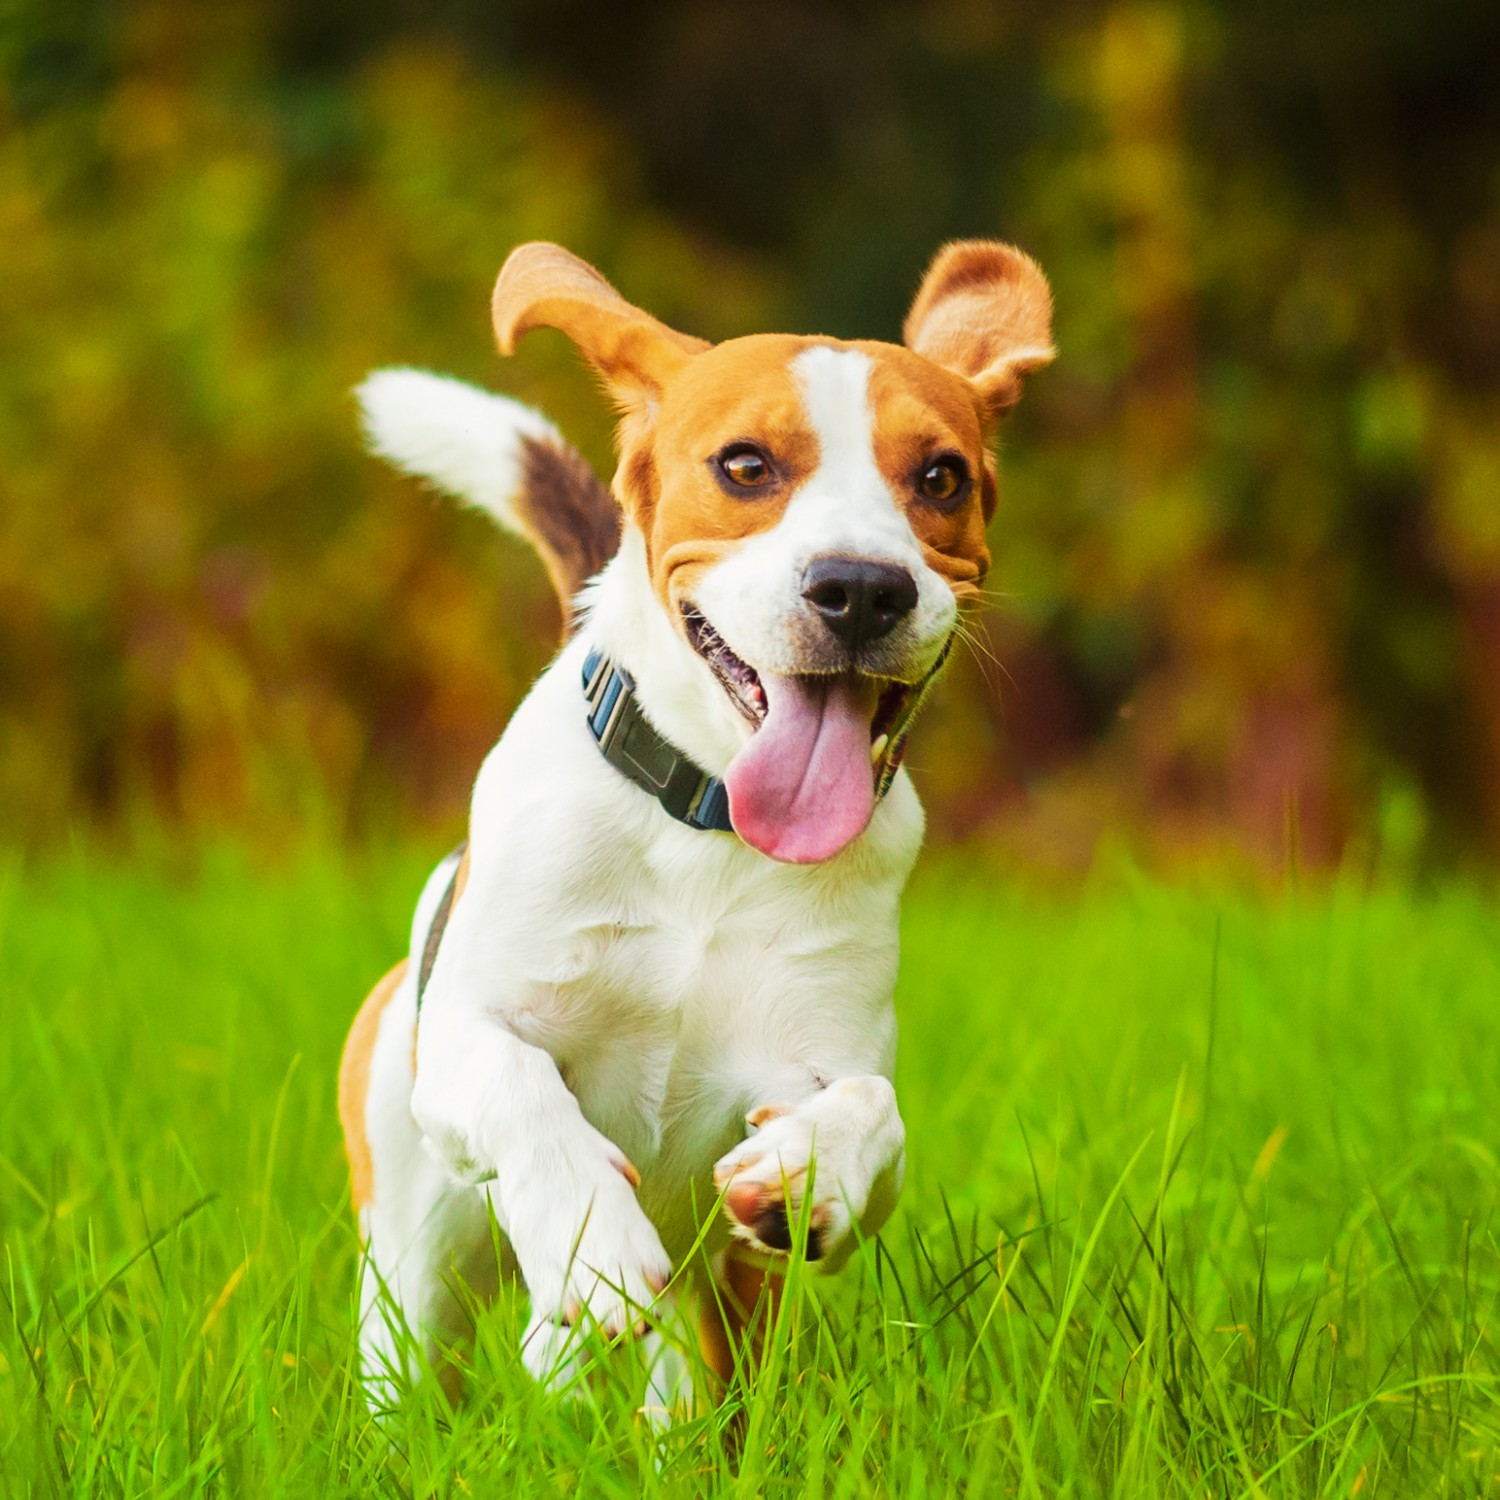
<point x="1201" y="1201"/>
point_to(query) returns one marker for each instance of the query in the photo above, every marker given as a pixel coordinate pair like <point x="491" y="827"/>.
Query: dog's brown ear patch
<point x="545" y="286"/>
<point x="984" y="311"/>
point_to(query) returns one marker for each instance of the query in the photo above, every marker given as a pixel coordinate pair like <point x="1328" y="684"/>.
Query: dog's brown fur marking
<point x="354" y="1083"/>
<point x="981" y="322"/>
<point x="545" y="286"/>
<point x="984" y="310"/>
<point x="728" y="1327"/>
<point x="570" y="517"/>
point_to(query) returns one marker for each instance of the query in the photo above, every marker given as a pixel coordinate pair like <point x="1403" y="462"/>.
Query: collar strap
<point x="638" y="751"/>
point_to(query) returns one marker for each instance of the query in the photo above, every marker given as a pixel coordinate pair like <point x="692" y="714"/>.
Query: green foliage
<point x="208" y="598"/>
<point x="1201" y="1201"/>
<point x="1248" y="554"/>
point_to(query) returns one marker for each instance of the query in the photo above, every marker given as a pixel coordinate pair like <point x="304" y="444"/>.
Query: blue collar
<point x="634" y="748"/>
<point x="640" y="753"/>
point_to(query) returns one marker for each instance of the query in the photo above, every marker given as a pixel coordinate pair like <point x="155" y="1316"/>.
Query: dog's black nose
<point x="859" y="601"/>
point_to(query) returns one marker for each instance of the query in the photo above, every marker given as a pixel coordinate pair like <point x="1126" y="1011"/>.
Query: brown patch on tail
<point x="569" y="515"/>
<point x="354" y="1083"/>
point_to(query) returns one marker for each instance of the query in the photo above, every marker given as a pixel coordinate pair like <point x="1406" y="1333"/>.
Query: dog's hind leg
<point x="428" y="1258"/>
<point x="735" y="1313"/>
<point x="669" y="1375"/>
<point x="424" y="1234"/>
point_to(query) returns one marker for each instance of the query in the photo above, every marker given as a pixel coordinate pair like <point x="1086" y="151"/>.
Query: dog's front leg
<point x="495" y="1110"/>
<point x="847" y="1139"/>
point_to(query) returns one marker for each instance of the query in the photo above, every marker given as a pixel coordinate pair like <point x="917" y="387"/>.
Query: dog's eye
<point x="943" y="479"/>
<point x="746" y="466"/>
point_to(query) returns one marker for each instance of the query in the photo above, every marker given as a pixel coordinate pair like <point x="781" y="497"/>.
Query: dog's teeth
<point x="878" y="748"/>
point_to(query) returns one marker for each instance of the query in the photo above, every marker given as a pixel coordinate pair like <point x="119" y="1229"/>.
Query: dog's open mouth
<point x="738" y="678"/>
<point x="804" y="786"/>
<point x="743" y="685"/>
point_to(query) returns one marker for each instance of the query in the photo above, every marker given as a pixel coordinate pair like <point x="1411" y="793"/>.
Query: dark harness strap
<point x="439" y="925"/>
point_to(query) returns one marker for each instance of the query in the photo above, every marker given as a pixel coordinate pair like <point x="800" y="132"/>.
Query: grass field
<point x="1201" y="1201"/>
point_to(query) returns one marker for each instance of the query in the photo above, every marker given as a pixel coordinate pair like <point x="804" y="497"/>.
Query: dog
<point x="647" y="1008"/>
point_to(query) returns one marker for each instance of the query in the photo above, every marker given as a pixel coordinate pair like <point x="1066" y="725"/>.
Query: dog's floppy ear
<point x="545" y="286"/>
<point x="984" y="311"/>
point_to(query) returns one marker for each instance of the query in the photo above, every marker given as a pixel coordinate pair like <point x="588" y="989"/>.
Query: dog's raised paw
<point x="764" y="1181"/>
<point x="763" y="1216"/>
<point x="843" y="1145"/>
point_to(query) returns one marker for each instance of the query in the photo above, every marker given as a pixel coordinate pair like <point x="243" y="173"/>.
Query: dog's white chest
<point x="670" y="1026"/>
<point x="677" y="978"/>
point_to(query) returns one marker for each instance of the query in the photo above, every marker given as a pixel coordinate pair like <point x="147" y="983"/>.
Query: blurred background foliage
<point x="1247" y="561"/>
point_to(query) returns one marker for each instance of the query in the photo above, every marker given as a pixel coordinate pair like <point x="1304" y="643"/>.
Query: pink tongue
<point x="803" y="788"/>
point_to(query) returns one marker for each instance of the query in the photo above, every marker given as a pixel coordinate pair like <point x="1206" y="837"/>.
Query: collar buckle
<point x="633" y="746"/>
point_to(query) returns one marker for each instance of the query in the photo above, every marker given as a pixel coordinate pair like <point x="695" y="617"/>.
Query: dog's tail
<point x="501" y="457"/>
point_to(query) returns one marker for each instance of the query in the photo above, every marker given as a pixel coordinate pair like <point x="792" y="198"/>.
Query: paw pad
<point x="763" y="1212"/>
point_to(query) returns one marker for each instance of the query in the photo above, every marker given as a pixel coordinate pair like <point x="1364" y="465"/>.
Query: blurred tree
<point x="1248" y="556"/>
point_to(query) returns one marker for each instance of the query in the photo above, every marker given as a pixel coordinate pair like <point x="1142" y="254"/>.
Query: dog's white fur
<point x="464" y="440"/>
<point x="616" y="992"/>
<point x="616" y="996"/>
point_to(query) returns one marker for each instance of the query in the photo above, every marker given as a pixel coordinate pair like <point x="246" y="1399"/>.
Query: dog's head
<point x="813" y="511"/>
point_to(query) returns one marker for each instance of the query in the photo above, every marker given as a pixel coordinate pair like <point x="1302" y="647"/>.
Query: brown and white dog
<point x="613" y="982"/>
